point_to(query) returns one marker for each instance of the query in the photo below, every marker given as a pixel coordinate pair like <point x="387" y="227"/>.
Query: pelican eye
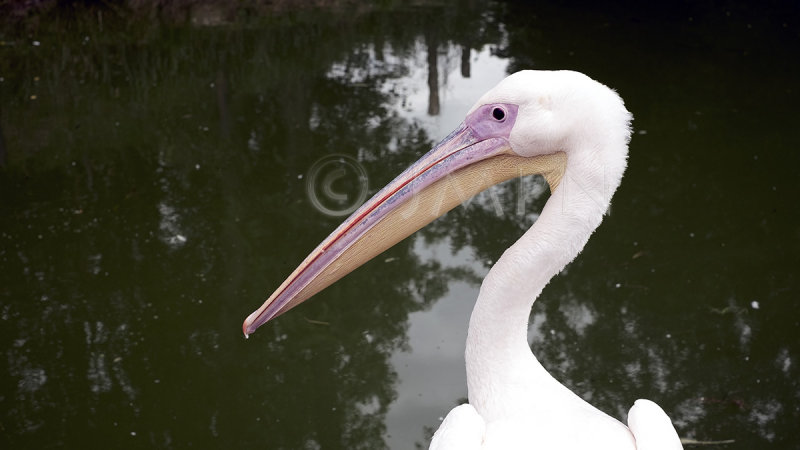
<point x="498" y="114"/>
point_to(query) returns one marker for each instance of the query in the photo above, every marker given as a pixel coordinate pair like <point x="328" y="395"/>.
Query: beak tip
<point x="253" y="321"/>
<point x="247" y="325"/>
<point x="244" y="330"/>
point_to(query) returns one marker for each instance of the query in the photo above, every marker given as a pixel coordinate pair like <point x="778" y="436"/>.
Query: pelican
<point x="575" y="132"/>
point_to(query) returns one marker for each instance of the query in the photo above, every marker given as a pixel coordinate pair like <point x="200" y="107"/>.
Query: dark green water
<point x="154" y="190"/>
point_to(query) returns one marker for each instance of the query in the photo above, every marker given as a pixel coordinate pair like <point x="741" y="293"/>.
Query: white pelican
<point x="575" y="132"/>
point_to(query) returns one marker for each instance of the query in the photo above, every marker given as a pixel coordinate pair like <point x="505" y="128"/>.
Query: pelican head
<point x="533" y="122"/>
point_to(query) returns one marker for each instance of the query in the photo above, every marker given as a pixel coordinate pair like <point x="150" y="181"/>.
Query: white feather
<point x="515" y="402"/>
<point x="462" y="429"/>
<point x="651" y="427"/>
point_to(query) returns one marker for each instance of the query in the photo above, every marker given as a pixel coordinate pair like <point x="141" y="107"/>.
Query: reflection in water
<point x="154" y="187"/>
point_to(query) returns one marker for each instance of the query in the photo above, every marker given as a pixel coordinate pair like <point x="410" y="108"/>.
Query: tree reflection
<point x="640" y="313"/>
<point x="160" y="195"/>
<point x="153" y="179"/>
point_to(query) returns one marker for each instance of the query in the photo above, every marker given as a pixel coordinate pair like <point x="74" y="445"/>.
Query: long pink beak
<point x="473" y="157"/>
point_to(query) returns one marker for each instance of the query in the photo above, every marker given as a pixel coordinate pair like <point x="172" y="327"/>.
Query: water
<point x="155" y="191"/>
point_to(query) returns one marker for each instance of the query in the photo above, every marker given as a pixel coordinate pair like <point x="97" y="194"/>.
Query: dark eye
<point x="498" y="114"/>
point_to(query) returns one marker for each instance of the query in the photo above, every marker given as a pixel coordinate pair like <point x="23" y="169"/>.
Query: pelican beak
<point x="472" y="158"/>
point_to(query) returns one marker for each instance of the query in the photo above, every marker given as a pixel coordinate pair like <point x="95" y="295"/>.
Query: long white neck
<point x="503" y="376"/>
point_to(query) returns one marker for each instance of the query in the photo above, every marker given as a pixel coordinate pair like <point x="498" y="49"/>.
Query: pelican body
<point x="575" y="132"/>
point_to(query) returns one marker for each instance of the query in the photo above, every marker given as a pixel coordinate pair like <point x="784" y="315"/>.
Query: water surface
<point x="155" y="189"/>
